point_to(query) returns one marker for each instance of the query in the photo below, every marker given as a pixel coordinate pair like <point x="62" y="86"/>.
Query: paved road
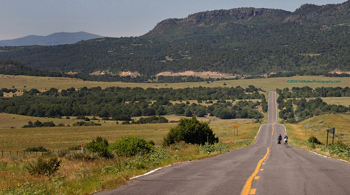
<point x="263" y="168"/>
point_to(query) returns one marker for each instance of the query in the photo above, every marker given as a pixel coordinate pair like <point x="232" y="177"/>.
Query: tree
<point x="190" y="131"/>
<point x="99" y="146"/>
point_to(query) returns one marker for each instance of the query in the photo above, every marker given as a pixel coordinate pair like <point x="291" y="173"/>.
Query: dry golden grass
<point x="60" y="138"/>
<point x="345" y="101"/>
<point x="41" y="83"/>
<point x="83" y="176"/>
<point x="318" y="125"/>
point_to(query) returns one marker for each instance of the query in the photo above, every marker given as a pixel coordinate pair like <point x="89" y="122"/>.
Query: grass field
<point x="79" y="176"/>
<point x="345" y="101"/>
<point x="42" y="83"/>
<point x="317" y="127"/>
<point x="15" y="138"/>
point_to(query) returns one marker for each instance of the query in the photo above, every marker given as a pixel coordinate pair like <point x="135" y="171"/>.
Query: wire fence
<point x="10" y="154"/>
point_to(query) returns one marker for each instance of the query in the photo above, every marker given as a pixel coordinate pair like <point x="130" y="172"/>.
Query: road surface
<point x="262" y="168"/>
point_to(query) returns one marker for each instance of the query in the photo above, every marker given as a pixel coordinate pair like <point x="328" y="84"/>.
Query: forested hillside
<point x="237" y="41"/>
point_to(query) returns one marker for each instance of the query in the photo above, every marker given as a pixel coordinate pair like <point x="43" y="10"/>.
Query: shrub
<point x="36" y="149"/>
<point x="152" y="119"/>
<point x="190" y="131"/>
<point x="82" y="123"/>
<point x="48" y="124"/>
<point x="131" y="146"/>
<point x="218" y="147"/>
<point x="42" y="167"/>
<point x="339" y="149"/>
<point x="99" y="146"/>
<point x="39" y="124"/>
<point x="313" y="139"/>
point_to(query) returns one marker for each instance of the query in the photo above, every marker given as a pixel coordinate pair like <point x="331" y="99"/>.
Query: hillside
<point x="53" y="39"/>
<point x="236" y="41"/>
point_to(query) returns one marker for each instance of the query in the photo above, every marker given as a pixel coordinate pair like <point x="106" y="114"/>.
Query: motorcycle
<point x="279" y="141"/>
<point x="285" y="141"/>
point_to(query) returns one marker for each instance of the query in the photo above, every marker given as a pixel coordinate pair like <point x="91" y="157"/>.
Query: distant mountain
<point x="236" y="41"/>
<point x="53" y="39"/>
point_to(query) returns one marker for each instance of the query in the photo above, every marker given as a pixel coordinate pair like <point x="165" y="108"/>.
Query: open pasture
<point x="318" y="125"/>
<point x="345" y="101"/>
<point x="15" y="138"/>
<point x="44" y="83"/>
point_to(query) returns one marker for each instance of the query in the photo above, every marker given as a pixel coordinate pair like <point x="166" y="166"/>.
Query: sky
<point x="114" y="18"/>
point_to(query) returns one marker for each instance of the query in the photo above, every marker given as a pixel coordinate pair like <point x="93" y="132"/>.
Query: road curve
<point x="262" y="168"/>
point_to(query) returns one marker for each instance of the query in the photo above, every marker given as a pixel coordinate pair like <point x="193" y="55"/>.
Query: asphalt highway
<point x="263" y="168"/>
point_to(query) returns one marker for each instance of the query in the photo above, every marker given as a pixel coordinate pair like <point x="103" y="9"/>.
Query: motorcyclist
<point x="279" y="138"/>
<point x="286" y="139"/>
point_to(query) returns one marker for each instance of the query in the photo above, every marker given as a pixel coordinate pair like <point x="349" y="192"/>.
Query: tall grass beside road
<point x="317" y="126"/>
<point x="86" y="173"/>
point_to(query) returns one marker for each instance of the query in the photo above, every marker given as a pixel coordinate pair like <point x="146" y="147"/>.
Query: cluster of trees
<point x="307" y="92"/>
<point x="39" y="124"/>
<point x="152" y="119"/>
<point x="83" y="123"/>
<point x="10" y="67"/>
<point x="5" y="90"/>
<point x="311" y="73"/>
<point x="123" y="103"/>
<point x="287" y="100"/>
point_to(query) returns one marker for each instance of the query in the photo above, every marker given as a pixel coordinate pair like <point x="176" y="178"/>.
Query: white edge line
<point x="154" y="170"/>
<point x="258" y="131"/>
<point x="285" y="129"/>
<point x="329" y="157"/>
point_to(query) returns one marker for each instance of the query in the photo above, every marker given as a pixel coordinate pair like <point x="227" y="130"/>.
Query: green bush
<point x="313" y="139"/>
<point x="190" y="131"/>
<point x="131" y="146"/>
<point x="82" y="123"/>
<point x="217" y="147"/>
<point x="340" y="149"/>
<point x="152" y="119"/>
<point x="99" y="146"/>
<point x="42" y="167"/>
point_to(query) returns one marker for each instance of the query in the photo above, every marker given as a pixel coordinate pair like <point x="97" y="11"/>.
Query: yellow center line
<point x="247" y="189"/>
<point x="248" y="185"/>
<point x="252" y="191"/>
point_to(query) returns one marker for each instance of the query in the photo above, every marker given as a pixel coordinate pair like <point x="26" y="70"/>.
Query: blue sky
<point x="114" y="18"/>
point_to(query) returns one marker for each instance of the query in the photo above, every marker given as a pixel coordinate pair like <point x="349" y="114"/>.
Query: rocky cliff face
<point x="308" y="13"/>
<point x="239" y="15"/>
